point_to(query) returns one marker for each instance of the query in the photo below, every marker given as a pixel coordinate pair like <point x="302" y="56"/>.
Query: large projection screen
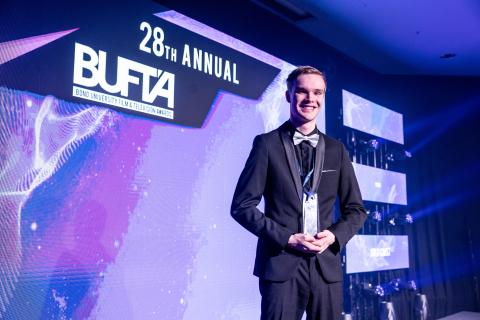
<point x="119" y="162"/>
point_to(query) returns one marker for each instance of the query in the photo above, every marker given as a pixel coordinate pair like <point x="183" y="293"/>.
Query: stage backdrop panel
<point x="123" y="134"/>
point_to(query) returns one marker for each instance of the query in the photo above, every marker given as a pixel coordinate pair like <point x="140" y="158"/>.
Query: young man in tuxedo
<point x="300" y="172"/>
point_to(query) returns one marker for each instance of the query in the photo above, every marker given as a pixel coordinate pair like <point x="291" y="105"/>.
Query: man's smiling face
<point x="306" y="98"/>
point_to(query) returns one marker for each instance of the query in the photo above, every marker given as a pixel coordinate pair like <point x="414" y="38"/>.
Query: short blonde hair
<point x="303" y="70"/>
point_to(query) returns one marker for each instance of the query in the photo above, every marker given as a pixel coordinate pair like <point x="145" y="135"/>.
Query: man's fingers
<point x="311" y="247"/>
<point x="321" y="235"/>
<point x="320" y="243"/>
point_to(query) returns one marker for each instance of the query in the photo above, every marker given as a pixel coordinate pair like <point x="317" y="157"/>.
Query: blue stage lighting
<point x="408" y="218"/>
<point x="372" y="144"/>
<point x="400" y="219"/>
<point x="398" y="155"/>
<point x="411" y="285"/>
<point x="379" y="291"/>
<point x="377" y="216"/>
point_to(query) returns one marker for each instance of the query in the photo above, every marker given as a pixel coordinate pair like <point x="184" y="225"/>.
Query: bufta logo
<point x="90" y="72"/>
<point x="165" y="71"/>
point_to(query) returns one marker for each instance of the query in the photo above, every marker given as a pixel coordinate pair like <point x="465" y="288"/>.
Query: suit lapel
<point x="292" y="165"/>
<point x="319" y="159"/>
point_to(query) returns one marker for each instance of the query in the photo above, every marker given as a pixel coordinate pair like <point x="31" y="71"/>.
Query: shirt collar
<point x="292" y="130"/>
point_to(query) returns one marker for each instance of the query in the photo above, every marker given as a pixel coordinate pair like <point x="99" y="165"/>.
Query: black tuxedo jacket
<point x="271" y="172"/>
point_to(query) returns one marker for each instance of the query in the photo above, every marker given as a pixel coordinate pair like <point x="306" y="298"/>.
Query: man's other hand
<point x="324" y="239"/>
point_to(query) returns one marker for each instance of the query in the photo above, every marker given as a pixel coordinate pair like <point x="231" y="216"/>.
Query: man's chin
<point x="310" y="115"/>
<point x="308" y="119"/>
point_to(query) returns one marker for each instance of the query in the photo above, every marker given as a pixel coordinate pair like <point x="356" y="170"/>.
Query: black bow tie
<point x="299" y="137"/>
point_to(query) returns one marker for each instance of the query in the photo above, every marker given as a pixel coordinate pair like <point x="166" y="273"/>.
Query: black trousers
<point x="305" y="291"/>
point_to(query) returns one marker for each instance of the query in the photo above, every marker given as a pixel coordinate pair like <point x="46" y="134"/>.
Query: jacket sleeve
<point x="248" y="193"/>
<point x="352" y="211"/>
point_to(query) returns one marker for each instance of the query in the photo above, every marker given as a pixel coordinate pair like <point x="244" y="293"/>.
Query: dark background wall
<point x="441" y="120"/>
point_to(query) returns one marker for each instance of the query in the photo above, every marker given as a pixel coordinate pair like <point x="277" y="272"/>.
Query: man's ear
<point x="287" y="96"/>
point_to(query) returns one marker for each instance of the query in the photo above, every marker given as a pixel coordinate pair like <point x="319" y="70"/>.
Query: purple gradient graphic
<point x="66" y="211"/>
<point x="132" y="214"/>
<point x="12" y="49"/>
<point x="32" y="153"/>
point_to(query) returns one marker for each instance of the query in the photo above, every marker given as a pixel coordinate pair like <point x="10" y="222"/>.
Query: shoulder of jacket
<point x="268" y="135"/>
<point x="333" y="143"/>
